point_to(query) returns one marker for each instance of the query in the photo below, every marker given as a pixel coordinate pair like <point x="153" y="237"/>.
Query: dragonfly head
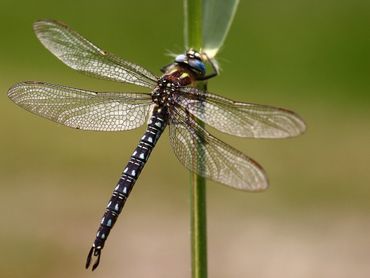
<point x="194" y="60"/>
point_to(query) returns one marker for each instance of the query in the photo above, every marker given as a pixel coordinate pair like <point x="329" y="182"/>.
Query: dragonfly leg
<point x="207" y="76"/>
<point x="215" y="68"/>
<point x="165" y="68"/>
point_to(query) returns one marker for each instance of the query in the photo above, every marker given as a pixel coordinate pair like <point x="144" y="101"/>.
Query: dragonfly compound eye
<point x="198" y="65"/>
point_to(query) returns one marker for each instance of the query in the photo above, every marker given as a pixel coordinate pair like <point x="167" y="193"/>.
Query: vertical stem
<point x="193" y="39"/>
<point x="198" y="226"/>
<point x="193" y="23"/>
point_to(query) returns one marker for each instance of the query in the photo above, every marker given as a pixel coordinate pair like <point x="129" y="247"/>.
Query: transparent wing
<point x="209" y="157"/>
<point x="82" y="109"/>
<point x="238" y="118"/>
<point x="80" y="54"/>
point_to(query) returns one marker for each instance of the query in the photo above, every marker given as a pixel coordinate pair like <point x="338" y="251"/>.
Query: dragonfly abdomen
<point x="156" y="125"/>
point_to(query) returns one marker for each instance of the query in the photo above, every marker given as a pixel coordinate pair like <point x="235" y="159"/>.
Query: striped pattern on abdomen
<point x="156" y="125"/>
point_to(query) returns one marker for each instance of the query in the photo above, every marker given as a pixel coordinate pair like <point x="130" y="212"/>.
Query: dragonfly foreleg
<point x="215" y="68"/>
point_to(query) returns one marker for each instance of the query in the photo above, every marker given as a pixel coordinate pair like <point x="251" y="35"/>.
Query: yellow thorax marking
<point x="184" y="75"/>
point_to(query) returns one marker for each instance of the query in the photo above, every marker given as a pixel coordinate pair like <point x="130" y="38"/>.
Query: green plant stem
<point x="198" y="206"/>
<point x="193" y="38"/>
<point x="198" y="226"/>
<point x="193" y="23"/>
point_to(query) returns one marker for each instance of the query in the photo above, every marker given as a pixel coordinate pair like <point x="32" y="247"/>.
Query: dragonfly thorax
<point x="163" y="94"/>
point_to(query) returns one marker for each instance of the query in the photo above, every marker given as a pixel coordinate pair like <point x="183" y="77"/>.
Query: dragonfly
<point x="173" y="101"/>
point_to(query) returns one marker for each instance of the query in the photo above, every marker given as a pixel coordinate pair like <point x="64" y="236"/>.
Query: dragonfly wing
<point x="209" y="157"/>
<point x="80" y="54"/>
<point x="238" y="118"/>
<point x="82" y="109"/>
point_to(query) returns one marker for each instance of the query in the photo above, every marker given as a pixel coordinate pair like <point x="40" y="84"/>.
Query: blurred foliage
<point x="309" y="56"/>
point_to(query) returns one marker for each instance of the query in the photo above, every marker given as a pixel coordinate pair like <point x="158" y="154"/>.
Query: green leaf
<point x="207" y="23"/>
<point x="217" y="18"/>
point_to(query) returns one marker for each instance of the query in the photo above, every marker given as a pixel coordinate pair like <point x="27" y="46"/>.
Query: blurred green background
<point x="309" y="56"/>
